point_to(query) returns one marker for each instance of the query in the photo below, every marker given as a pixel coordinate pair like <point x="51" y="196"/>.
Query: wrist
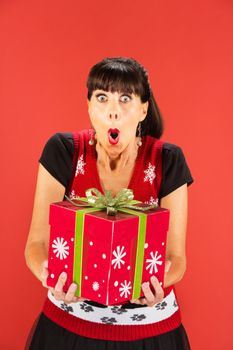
<point x="36" y="257"/>
<point x="176" y="271"/>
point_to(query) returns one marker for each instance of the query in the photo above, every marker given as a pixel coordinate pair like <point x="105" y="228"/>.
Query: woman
<point x="122" y="150"/>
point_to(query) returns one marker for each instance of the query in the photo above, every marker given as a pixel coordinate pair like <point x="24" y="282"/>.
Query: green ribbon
<point x="78" y="247"/>
<point x="123" y="202"/>
<point x="123" y="199"/>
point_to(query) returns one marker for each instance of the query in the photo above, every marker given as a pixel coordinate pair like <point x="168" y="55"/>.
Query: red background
<point x="47" y="49"/>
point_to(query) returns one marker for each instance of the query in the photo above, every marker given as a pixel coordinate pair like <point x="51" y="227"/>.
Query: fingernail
<point x="145" y="285"/>
<point x="63" y="275"/>
<point x="73" y="287"/>
<point x="153" y="278"/>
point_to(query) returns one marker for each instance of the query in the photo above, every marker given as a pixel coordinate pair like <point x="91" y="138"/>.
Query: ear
<point x="144" y="110"/>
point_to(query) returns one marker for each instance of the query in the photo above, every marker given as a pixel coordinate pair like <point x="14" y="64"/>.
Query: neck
<point x="116" y="158"/>
<point x="113" y="163"/>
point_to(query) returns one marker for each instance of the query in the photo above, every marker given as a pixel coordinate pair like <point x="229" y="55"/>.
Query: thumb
<point x="167" y="265"/>
<point x="44" y="270"/>
<point x="45" y="263"/>
<point x="103" y="158"/>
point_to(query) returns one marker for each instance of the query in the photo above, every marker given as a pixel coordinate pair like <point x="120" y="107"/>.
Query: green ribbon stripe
<point x="140" y="251"/>
<point x="78" y="248"/>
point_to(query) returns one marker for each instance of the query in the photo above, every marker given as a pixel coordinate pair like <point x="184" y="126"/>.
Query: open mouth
<point x="113" y="136"/>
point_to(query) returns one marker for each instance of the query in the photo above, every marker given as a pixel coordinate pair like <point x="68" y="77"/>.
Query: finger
<point x="45" y="264"/>
<point x="136" y="301"/>
<point x="44" y="283"/>
<point x="77" y="299"/>
<point x="52" y="291"/>
<point x="82" y="299"/>
<point x="150" y="297"/>
<point x="124" y="157"/>
<point x="103" y="158"/>
<point x="133" y="150"/>
<point x="70" y="295"/>
<point x="44" y="268"/>
<point x="44" y="275"/>
<point x="101" y="150"/>
<point x="159" y="293"/>
<point x="143" y="301"/>
<point x="129" y="154"/>
<point x="58" y="290"/>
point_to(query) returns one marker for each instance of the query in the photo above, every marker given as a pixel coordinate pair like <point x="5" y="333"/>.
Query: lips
<point x="113" y="136"/>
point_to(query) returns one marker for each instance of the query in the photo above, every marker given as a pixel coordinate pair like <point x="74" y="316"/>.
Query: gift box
<point x="108" y="256"/>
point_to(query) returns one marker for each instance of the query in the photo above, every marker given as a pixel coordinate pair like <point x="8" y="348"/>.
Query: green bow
<point x="123" y="199"/>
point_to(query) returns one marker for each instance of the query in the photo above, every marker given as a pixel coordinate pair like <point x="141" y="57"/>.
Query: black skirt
<point x="47" y="335"/>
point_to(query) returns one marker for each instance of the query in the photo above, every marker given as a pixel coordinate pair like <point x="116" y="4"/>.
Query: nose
<point x="113" y="115"/>
<point x="114" y="112"/>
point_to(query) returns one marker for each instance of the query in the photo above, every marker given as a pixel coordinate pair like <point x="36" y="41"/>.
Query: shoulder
<point x="170" y="146"/>
<point x="172" y="150"/>
<point x="173" y="157"/>
<point x="61" y="139"/>
<point x="64" y="141"/>
<point x="57" y="156"/>
<point x="58" y="151"/>
<point x="59" y="148"/>
<point x="168" y="149"/>
<point x="176" y="171"/>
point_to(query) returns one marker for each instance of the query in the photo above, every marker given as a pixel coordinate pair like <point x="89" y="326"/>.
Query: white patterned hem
<point x="119" y="316"/>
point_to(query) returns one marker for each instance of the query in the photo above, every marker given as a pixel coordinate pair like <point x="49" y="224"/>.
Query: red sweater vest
<point x="145" y="183"/>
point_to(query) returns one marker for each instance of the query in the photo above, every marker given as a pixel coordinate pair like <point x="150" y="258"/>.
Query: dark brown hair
<point x="125" y="74"/>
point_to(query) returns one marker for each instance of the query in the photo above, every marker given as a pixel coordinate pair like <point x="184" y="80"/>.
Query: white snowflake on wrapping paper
<point x="95" y="286"/>
<point x="125" y="289"/>
<point x="150" y="173"/>
<point x="80" y="166"/>
<point x="60" y="248"/>
<point x="154" y="262"/>
<point x="119" y="254"/>
<point x="152" y="200"/>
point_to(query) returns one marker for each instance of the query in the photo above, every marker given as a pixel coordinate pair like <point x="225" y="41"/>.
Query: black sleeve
<point x="175" y="171"/>
<point x="57" y="157"/>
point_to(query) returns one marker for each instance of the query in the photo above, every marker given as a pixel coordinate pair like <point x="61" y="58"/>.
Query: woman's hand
<point x="150" y="299"/>
<point x="69" y="296"/>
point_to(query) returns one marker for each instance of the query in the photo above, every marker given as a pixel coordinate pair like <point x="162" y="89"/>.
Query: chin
<point x="114" y="151"/>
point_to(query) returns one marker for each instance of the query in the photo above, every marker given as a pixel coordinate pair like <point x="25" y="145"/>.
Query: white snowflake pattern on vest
<point x="80" y="166"/>
<point x="150" y="173"/>
<point x="152" y="200"/>
<point x="72" y="194"/>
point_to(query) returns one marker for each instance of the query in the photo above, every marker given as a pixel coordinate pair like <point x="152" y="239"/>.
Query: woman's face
<point x="115" y="117"/>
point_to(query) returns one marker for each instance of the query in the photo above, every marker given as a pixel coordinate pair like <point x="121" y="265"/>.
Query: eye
<point x="101" y="97"/>
<point x="125" y="98"/>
